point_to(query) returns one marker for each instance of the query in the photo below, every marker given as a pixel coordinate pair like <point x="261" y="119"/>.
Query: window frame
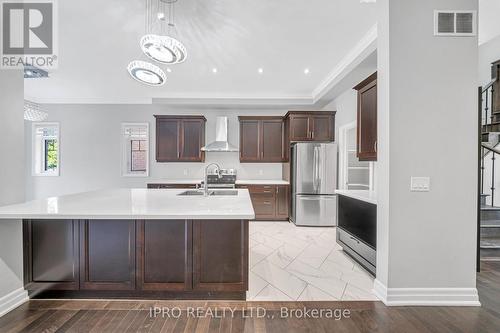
<point x="42" y="159"/>
<point x="127" y="150"/>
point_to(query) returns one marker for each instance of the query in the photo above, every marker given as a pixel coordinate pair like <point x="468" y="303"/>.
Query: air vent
<point x="455" y="23"/>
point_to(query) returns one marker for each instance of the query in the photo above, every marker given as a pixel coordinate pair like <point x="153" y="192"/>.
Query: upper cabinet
<point x="311" y="125"/>
<point x="262" y="139"/>
<point x="180" y="138"/>
<point x="367" y="119"/>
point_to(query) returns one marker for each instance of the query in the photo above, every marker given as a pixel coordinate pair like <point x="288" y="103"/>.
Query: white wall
<point x="11" y="187"/>
<point x="346" y="107"/>
<point x="427" y="108"/>
<point x="488" y="52"/>
<point x="91" y="149"/>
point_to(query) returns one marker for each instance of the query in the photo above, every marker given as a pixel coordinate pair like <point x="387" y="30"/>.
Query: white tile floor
<point x="290" y="263"/>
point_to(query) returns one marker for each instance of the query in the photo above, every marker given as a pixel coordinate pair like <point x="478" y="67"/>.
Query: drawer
<point x="264" y="207"/>
<point x="362" y="249"/>
<point x="262" y="189"/>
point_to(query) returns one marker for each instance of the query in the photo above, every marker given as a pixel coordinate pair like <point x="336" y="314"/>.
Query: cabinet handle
<point x="267" y="186"/>
<point x="375" y="146"/>
<point x="312" y="135"/>
<point x="267" y="191"/>
<point x="267" y="202"/>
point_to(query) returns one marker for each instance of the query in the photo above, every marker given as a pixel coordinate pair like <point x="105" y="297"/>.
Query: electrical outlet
<point x="185" y="172"/>
<point x="420" y="184"/>
<point x="261" y="172"/>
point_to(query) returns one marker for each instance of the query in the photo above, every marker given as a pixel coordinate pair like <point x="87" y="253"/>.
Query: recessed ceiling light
<point x="214" y="70"/>
<point x="169" y="70"/>
<point x="260" y="70"/>
<point x="368" y="1"/>
<point x="306" y="71"/>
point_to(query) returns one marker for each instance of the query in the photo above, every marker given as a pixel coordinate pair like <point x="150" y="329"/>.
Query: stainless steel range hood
<point x="220" y="144"/>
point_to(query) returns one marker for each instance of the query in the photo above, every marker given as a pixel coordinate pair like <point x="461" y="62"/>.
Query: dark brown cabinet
<point x="282" y="202"/>
<point x="51" y="255"/>
<point x="367" y="119"/>
<point x="180" y="138"/>
<point x="164" y="255"/>
<point x="136" y="258"/>
<point x="220" y="263"/>
<point x="270" y="202"/>
<point x="107" y="255"/>
<point x="311" y="125"/>
<point x="262" y="139"/>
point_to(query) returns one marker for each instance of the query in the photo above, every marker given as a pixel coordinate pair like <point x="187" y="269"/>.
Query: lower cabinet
<point x="164" y="252"/>
<point x="137" y="257"/>
<point x="51" y="255"/>
<point x="220" y="256"/>
<point x="107" y="255"/>
<point x="270" y="202"/>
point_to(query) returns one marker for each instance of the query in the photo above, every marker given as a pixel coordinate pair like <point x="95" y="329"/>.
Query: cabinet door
<point x="322" y="128"/>
<point x="282" y="202"/>
<point x="107" y="255"/>
<point x="51" y="254"/>
<point x="250" y="141"/>
<point x="220" y="255"/>
<point x="300" y="128"/>
<point x="367" y="122"/>
<point x="192" y="140"/>
<point x="272" y="145"/>
<point x="264" y="206"/>
<point x="167" y="140"/>
<point x="164" y="252"/>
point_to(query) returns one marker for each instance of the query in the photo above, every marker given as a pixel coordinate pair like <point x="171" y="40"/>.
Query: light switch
<point x="420" y="184"/>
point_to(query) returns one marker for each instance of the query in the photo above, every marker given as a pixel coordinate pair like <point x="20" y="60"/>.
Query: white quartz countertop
<point x="134" y="204"/>
<point x="368" y="196"/>
<point x="262" y="182"/>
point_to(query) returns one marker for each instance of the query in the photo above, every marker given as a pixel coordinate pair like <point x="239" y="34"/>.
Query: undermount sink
<point x="210" y="193"/>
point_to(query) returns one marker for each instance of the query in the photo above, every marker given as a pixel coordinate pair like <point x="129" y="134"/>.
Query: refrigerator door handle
<point x="315" y="187"/>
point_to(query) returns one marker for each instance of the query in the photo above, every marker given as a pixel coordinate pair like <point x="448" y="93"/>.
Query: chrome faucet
<point x="206" y="176"/>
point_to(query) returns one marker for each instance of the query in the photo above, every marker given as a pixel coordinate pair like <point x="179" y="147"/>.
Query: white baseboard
<point x="426" y="296"/>
<point x="11" y="301"/>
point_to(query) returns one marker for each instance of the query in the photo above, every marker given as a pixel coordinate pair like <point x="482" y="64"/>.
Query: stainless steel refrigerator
<point x="314" y="181"/>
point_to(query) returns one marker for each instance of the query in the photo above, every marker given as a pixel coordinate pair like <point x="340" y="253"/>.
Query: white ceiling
<point x="98" y="38"/>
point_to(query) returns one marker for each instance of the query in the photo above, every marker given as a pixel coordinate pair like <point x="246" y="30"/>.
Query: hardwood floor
<point x="134" y="316"/>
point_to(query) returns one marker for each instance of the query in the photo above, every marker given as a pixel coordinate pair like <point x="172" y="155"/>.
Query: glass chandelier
<point x="159" y="43"/>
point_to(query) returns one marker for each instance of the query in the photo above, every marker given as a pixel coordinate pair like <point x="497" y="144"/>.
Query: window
<point x="135" y="149"/>
<point x="46" y="143"/>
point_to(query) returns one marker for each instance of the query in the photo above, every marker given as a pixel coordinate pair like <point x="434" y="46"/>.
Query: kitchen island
<point x="136" y="243"/>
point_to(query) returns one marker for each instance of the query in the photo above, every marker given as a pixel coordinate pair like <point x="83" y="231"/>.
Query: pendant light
<point x="143" y="71"/>
<point x="160" y="43"/>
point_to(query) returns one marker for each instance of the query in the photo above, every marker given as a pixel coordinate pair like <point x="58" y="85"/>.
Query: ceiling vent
<point x="459" y="23"/>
